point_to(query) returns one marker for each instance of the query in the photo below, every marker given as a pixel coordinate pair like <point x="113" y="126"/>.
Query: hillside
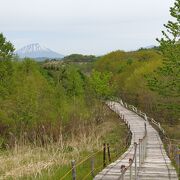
<point x="79" y="58"/>
<point x="130" y="74"/>
<point x="44" y="109"/>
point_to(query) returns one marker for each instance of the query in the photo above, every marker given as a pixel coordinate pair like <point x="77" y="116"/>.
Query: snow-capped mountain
<point x="37" y="51"/>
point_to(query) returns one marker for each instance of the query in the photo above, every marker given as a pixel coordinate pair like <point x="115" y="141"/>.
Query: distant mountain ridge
<point x="37" y="51"/>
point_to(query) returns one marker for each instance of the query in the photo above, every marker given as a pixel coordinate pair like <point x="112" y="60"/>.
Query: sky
<point x="84" y="26"/>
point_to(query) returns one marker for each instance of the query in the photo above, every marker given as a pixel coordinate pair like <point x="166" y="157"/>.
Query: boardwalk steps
<point x="156" y="165"/>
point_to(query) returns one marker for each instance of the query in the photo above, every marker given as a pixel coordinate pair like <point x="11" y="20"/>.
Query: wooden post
<point x="146" y="146"/>
<point x="139" y="152"/>
<point x="126" y="105"/>
<point x="92" y="167"/>
<point x="177" y="159"/>
<point x="135" y="160"/>
<point x="136" y="110"/>
<point x="109" y="155"/>
<point x="143" y="149"/>
<point x="121" y="102"/>
<point x="130" y="169"/>
<point x="145" y="117"/>
<point x="73" y="170"/>
<point x="104" y="155"/>
<point x="122" y="171"/>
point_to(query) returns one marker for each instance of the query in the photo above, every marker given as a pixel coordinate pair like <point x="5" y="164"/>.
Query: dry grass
<point x="25" y="160"/>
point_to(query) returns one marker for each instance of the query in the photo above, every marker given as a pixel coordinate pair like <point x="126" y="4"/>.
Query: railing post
<point x="104" y="155"/>
<point x="135" y="161"/>
<point x="145" y="146"/>
<point x="121" y="102"/>
<point x="73" y="169"/>
<point x="159" y="125"/>
<point x="135" y="109"/>
<point x="145" y="138"/>
<point x="140" y="148"/>
<point x="177" y="158"/>
<point x="109" y="155"/>
<point x="178" y="161"/>
<point x="122" y="171"/>
<point x="130" y="168"/>
<point x="145" y="127"/>
<point x="92" y="167"/>
<point x="125" y="105"/>
<point x="140" y="113"/>
<point x="142" y="151"/>
<point x="145" y="117"/>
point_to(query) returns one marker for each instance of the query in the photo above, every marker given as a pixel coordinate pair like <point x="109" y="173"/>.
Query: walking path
<point x="154" y="164"/>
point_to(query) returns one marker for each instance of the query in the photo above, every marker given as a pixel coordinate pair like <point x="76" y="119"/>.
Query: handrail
<point x="142" y="144"/>
<point x="82" y="161"/>
<point x="169" y="148"/>
<point x="142" y="154"/>
<point x="142" y="114"/>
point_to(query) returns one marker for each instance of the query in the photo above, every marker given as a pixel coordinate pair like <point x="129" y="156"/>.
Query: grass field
<point x="54" y="160"/>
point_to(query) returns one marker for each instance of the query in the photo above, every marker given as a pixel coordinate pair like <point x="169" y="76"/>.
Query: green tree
<point x="6" y="69"/>
<point x="166" y="80"/>
<point x="100" y="83"/>
<point x="6" y="48"/>
<point x="72" y="81"/>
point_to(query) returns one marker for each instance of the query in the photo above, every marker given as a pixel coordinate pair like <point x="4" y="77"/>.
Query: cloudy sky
<point x="84" y="26"/>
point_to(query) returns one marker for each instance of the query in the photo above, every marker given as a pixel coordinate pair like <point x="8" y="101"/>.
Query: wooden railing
<point x="142" y="154"/>
<point x="172" y="146"/>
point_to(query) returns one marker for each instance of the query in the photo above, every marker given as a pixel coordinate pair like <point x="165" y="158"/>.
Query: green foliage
<point x="100" y="83"/>
<point x="166" y="80"/>
<point x="39" y="103"/>
<point x="6" y="48"/>
<point x="79" y="58"/>
<point x="129" y="71"/>
<point x="72" y="80"/>
<point x="6" y="71"/>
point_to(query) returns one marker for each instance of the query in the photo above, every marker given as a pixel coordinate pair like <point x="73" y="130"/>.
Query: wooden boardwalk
<point x="156" y="165"/>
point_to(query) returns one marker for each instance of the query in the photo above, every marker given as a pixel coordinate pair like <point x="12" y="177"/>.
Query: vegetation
<point x="54" y="112"/>
<point x="6" y="48"/>
<point x="129" y="72"/>
<point x="79" y="58"/>
<point x="30" y="161"/>
<point x="136" y="74"/>
<point x="166" y="79"/>
<point x="47" y="115"/>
